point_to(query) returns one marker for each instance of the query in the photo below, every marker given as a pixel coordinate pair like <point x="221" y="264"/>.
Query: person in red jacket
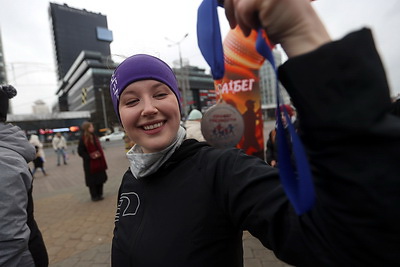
<point x="94" y="161"/>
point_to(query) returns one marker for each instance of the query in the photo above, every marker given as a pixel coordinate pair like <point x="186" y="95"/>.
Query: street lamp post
<point x="104" y="109"/>
<point x="183" y="80"/>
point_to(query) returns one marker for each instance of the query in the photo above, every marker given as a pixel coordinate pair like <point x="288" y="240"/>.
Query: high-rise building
<point x="82" y="53"/>
<point x="40" y="107"/>
<point x="268" y="86"/>
<point x="3" y="75"/>
<point x="75" y="30"/>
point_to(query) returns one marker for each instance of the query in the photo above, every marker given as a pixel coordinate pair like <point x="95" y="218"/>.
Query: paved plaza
<point x="77" y="231"/>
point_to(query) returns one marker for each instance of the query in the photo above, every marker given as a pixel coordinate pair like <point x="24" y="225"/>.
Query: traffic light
<point x="84" y="94"/>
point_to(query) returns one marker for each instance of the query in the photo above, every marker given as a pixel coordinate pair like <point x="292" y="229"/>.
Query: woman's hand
<point x="292" y="23"/>
<point x="95" y="155"/>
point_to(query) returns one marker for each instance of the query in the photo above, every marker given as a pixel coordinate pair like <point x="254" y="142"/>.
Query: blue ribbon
<point x="298" y="186"/>
<point x="297" y="182"/>
<point x="209" y="37"/>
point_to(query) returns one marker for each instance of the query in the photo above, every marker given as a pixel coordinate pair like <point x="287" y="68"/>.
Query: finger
<point x="246" y="13"/>
<point x="230" y="13"/>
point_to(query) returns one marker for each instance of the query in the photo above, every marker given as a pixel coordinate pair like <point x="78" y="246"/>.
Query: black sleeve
<point x="250" y="193"/>
<point x="353" y="143"/>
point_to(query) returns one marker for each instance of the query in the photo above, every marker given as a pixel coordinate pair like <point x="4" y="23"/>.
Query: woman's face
<point x="150" y="114"/>
<point x="91" y="128"/>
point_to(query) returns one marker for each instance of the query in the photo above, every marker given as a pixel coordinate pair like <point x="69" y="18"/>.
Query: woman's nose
<point x="148" y="107"/>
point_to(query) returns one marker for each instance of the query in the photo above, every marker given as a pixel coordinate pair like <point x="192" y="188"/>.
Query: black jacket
<point x="193" y="210"/>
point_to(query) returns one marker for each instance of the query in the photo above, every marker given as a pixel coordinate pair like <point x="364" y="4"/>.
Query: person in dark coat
<point x="94" y="162"/>
<point x="38" y="162"/>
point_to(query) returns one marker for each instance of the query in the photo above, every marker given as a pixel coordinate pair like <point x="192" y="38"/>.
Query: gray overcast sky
<point x="141" y="27"/>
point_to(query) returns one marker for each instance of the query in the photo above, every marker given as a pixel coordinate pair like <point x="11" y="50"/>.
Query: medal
<point x="222" y="125"/>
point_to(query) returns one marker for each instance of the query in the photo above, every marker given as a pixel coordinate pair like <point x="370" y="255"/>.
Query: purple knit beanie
<point x="141" y="67"/>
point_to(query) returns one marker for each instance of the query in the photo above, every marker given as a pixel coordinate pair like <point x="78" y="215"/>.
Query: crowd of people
<point x="183" y="202"/>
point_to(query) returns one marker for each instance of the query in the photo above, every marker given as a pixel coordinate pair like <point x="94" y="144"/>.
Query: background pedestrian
<point x="38" y="163"/>
<point x="94" y="162"/>
<point x="39" y="160"/>
<point x="60" y="145"/>
<point x="34" y="140"/>
<point x="193" y="125"/>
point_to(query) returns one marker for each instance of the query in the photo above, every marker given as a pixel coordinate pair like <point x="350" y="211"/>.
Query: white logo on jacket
<point x="128" y="204"/>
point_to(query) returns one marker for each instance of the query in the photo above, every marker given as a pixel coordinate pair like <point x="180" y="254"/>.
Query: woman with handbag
<point x="94" y="162"/>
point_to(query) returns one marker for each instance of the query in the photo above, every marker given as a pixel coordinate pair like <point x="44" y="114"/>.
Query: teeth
<point x="151" y="127"/>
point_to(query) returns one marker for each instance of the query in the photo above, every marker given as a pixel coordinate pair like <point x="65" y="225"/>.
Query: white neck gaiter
<point x="144" y="164"/>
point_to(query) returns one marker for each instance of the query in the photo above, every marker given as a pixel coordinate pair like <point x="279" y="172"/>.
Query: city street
<point x="77" y="231"/>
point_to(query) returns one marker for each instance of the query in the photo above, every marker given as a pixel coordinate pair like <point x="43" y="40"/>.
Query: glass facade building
<point x="75" y="30"/>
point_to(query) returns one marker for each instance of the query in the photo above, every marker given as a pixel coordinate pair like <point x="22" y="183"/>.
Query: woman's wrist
<point x="309" y="38"/>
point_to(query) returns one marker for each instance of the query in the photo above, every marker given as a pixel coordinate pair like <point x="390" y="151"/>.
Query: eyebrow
<point x="154" y="86"/>
<point x="158" y="84"/>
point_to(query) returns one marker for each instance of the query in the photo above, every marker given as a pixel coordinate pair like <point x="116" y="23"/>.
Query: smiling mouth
<point x="153" y="126"/>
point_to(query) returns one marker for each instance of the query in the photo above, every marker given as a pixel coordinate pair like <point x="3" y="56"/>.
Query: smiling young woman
<point x="149" y="113"/>
<point x="185" y="203"/>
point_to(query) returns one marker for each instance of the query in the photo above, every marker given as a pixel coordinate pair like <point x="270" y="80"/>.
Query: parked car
<point x="112" y="137"/>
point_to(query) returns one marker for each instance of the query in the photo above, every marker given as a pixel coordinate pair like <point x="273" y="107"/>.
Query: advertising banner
<point x="240" y="87"/>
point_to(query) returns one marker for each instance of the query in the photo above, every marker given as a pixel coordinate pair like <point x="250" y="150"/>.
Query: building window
<point x="104" y="34"/>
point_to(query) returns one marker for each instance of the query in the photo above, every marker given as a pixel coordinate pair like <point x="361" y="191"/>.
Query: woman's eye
<point x="160" y="95"/>
<point x="131" y="102"/>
